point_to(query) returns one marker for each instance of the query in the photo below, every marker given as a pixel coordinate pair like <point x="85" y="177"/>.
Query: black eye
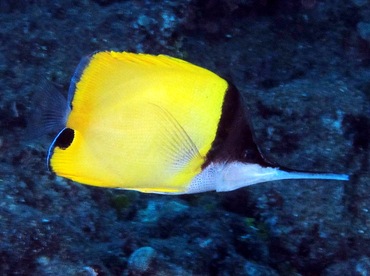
<point x="65" y="138"/>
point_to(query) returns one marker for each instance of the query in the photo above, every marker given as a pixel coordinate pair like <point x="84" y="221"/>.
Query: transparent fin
<point x="49" y="112"/>
<point x="178" y="145"/>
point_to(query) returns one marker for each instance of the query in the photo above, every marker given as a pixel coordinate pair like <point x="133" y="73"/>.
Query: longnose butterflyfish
<point x="157" y="124"/>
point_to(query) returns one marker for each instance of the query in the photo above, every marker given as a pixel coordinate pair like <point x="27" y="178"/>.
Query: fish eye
<point x="65" y="138"/>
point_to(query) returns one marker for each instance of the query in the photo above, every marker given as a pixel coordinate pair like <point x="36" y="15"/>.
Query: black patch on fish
<point x="234" y="137"/>
<point x="65" y="138"/>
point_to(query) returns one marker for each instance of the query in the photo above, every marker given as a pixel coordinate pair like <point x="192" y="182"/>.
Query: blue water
<point x="303" y="69"/>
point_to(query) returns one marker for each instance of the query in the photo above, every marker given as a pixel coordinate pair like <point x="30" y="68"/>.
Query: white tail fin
<point x="236" y="175"/>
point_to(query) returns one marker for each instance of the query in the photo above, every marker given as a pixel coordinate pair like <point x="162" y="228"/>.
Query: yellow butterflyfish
<point x="156" y="124"/>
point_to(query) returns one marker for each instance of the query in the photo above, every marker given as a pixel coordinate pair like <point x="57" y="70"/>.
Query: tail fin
<point x="49" y="112"/>
<point x="237" y="174"/>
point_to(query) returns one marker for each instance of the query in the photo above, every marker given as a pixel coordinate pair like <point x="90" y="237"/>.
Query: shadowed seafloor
<point x="304" y="71"/>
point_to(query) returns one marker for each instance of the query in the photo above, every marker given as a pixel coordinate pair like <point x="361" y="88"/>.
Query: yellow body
<point x="140" y="122"/>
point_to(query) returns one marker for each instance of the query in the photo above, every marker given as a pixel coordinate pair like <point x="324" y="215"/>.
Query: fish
<point x="156" y="124"/>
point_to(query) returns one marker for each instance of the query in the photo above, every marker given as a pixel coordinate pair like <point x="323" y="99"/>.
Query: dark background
<point x="303" y="68"/>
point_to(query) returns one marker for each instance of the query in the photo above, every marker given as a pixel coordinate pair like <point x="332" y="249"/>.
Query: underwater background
<point x="303" y="68"/>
